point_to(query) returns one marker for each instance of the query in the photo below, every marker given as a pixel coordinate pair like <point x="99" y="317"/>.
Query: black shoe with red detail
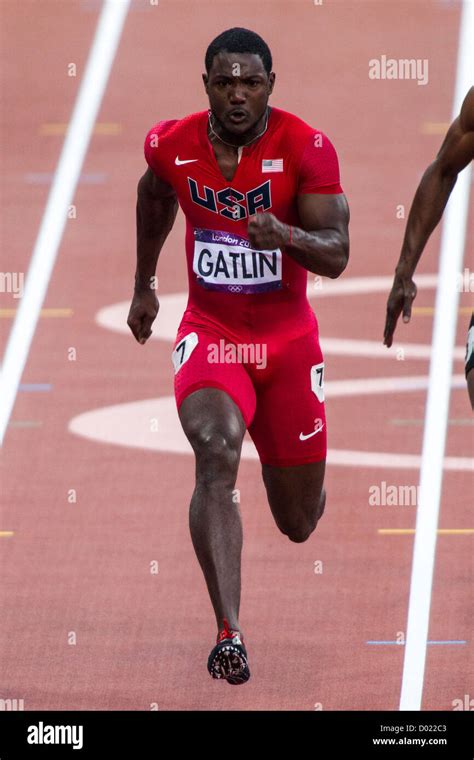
<point x="228" y="659"/>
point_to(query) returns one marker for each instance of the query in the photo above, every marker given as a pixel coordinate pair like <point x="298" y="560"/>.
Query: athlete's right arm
<point x="157" y="206"/>
<point x="427" y="208"/>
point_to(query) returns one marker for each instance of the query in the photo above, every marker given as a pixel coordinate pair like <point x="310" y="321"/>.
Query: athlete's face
<point x="238" y="88"/>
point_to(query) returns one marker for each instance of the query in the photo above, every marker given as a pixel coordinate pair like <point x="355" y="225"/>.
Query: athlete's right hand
<point x="143" y="311"/>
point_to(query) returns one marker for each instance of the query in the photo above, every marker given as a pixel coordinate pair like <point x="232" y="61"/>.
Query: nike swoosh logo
<point x="304" y="437"/>
<point x="187" y="161"/>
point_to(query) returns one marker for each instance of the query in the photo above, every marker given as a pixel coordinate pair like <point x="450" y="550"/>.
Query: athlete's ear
<point x="271" y="81"/>
<point x="205" y="79"/>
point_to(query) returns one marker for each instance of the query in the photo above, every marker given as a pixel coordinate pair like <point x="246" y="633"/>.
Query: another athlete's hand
<point x="265" y="232"/>
<point x="143" y="311"/>
<point x="400" y="300"/>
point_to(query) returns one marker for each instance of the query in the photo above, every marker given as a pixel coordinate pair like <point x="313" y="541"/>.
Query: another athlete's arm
<point x="157" y="206"/>
<point x="427" y="209"/>
<point x="320" y="245"/>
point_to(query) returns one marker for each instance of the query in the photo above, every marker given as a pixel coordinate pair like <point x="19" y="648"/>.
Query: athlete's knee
<point x="300" y="533"/>
<point x="299" y="530"/>
<point x="217" y="452"/>
<point x="216" y="442"/>
<point x="297" y="527"/>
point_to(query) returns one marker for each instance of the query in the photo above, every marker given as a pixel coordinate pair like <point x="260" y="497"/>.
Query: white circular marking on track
<point x="133" y="424"/>
<point x="130" y="424"/>
<point x="320" y="287"/>
<point x="173" y="305"/>
<point x="374" y="349"/>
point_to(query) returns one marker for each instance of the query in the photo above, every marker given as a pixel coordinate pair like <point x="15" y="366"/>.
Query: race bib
<point x="317" y="381"/>
<point x="183" y="350"/>
<point x="227" y="262"/>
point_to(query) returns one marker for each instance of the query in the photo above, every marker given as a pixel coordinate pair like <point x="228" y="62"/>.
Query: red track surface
<point x="85" y="567"/>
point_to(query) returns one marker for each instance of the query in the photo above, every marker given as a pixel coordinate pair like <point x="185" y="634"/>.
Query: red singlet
<point x="248" y="328"/>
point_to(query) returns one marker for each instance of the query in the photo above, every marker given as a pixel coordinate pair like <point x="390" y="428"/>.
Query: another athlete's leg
<point x="296" y="496"/>
<point x="470" y="387"/>
<point x="469" y="362"/>
<point x="215" y="428"/>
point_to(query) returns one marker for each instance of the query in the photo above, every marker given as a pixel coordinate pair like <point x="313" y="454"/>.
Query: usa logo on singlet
<point x="231" y="203"/>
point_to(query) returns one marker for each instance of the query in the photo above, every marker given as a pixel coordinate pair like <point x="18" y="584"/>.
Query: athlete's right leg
<point x="215" y="428"/>
<point x="216" y="402"/>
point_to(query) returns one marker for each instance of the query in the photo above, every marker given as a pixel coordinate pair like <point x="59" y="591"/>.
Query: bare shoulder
<point x="152" y="185"/>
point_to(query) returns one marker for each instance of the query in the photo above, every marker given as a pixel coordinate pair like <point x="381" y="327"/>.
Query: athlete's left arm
<point x="320" y="244"/>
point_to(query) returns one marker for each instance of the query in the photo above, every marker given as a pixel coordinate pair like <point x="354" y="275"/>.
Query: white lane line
<point x="437" y="407"/>
<point x="99" y="64"/>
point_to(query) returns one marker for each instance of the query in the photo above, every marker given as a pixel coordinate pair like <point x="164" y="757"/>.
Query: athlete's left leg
<point x="289" y="431"/>
<point x="296" y="496"/>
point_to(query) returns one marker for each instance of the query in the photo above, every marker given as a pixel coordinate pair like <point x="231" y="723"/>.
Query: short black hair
<point x="239" y="40"/>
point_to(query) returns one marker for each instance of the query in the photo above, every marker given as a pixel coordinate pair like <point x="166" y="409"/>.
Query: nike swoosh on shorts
<point x="186" y="161"/>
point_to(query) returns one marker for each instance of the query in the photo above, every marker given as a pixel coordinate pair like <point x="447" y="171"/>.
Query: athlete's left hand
<point x="265" y="232"/>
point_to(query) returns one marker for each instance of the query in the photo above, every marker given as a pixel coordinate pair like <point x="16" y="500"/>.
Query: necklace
<point x="231" y="144"/>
